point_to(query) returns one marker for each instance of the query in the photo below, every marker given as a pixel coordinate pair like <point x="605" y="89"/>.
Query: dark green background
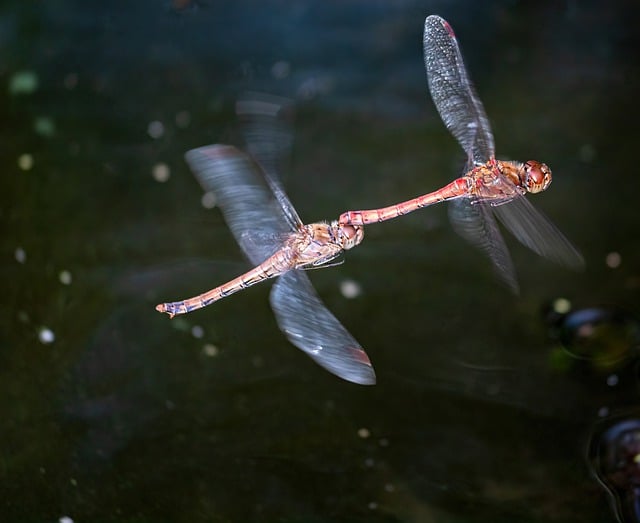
<point x="477" y="414"/>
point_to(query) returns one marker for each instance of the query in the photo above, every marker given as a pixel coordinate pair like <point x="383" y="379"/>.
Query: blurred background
<point x="488" y="406"/>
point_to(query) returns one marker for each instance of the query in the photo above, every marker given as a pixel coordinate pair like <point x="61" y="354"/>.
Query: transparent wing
<point x="452" y="91"/>
<point x="310" y="326"/>
<point x="475" y="223"/>
<point x="248" y="205"/>
<point x="266" y="124"/>
<point x="534" y="230"/>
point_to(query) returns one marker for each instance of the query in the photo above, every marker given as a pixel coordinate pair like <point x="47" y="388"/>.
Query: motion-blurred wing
<point x="452" y="91"/>
<point x="475" y="223"/>
<point x="536" y="231"/>
<point x="252" y="213"/>
<point x="310" y="326"/>
<point x="266" y="124"/>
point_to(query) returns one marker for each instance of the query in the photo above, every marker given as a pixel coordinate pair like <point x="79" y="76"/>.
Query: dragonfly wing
<point x="311" y="327"/>
<point x="452" y="90"/>
<point x="475" y="223"/>
<point x="536" y="231"/>
<point x="248" y="206"/>
<point x="266" y="122"/>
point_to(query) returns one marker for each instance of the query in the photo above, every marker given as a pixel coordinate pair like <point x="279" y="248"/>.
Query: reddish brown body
<point x="312" y="246"/>
<point x="495" y="181"/>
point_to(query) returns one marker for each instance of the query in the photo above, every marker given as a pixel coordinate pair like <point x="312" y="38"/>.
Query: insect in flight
<point x="489" y="186"/>
<point x="274" y="238"/>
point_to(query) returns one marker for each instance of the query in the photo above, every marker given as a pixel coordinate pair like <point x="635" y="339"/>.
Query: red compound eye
<point x="537" y="176"/>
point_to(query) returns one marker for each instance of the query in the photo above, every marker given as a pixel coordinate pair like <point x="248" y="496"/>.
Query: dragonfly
<point x="272" y="235"/>
<point x="488" y="187"/>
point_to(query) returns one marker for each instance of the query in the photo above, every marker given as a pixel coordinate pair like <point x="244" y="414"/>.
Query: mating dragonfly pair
<point x="274" y="238"/>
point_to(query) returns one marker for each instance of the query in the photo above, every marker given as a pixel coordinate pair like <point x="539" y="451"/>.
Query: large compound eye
<point x="537" y="176"/>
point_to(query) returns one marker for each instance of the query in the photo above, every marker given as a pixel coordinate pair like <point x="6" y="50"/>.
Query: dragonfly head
<point x="536" y="176"/>
<point x="348" y="235"/>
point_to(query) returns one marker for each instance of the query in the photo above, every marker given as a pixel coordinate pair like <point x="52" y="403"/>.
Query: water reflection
<point x="119" y="383"/>
<point x="605" y="337"/>
<point x="128" y="373"/>
<point x="615" y="460"/>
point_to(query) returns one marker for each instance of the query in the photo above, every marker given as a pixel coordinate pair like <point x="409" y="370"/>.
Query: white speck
<point x="209" y="200"/>
<point x="20" y="254"/>
<point x="23" y="82"/>
<point x="389" y="487"/>
<point x="372" y="505"/>
<point x="587" y="153"/>
<point x="613" y="260"/>
<point x="65" y="519"/>
<point x="561" y="305"/>
<point x="280" y="69"/>
<point x="210" y="350"/>
<point x="612" y="380"/>
<point x="155" y="129"/>
<point x="25" y="162"/>
<point x="369" y="462"/>
<point x="364" y="433"/>
<point x="46" y="335"/>
<point x="315" y="86"/>
<point x="603" y="412"/>
<point x="197" y="331"/>
<point x="44" y="126"/>
<point x="350" y="289"/>
<point x="183" y="119"/>
<point x="65" y="277"/>
<point x="161" y="172"/>
<point x="71" y="80"/>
